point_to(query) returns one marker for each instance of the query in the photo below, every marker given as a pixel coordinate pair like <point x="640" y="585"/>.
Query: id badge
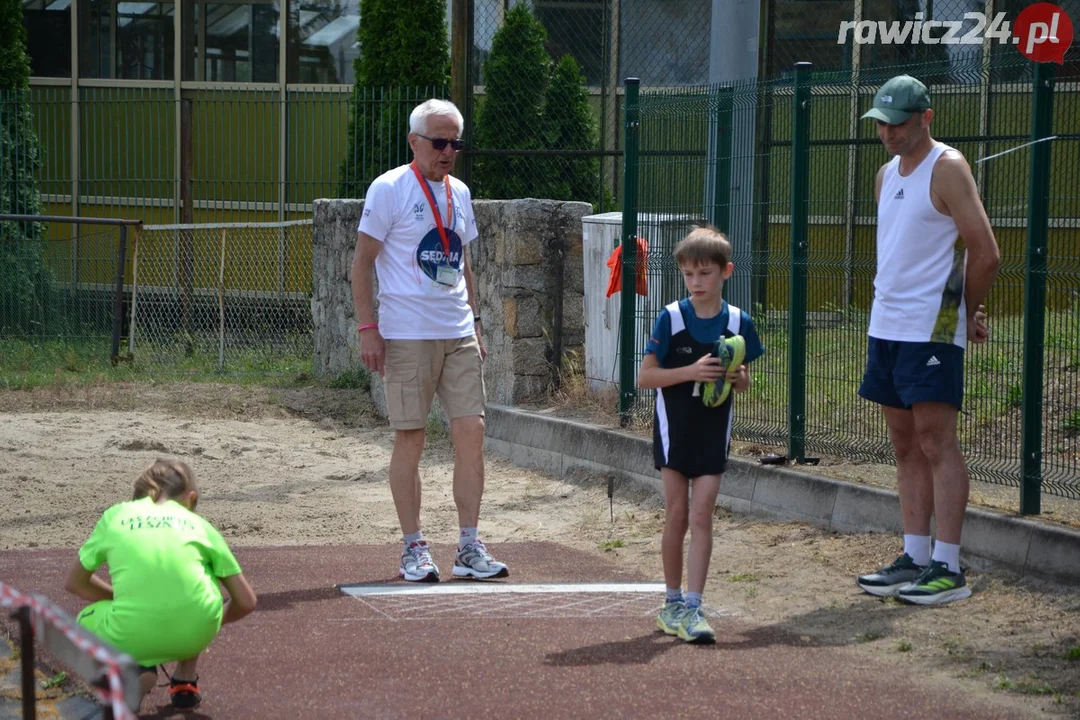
<point x="446" y="275"/>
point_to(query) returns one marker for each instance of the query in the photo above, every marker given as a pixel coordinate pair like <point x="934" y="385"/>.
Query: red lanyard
<point x="435" y="208"/>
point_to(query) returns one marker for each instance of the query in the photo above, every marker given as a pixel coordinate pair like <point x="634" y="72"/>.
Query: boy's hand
<point x="740" y="379"/>
<point x="706" y="369"/>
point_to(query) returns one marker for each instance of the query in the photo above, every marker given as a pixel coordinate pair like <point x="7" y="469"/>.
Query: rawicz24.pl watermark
<point x="1043" y="31"/>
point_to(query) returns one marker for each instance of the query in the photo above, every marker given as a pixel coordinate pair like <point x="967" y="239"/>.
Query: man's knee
<point x="938" y="446"/>
<point x="902" y="433"/>
<point x="906" y="445"/>
<point x="935" y="425"/>
<point x="468" y="430"/>
<point x="410" y="441"/>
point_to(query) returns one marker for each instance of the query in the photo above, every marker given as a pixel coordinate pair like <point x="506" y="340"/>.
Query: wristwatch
<point x="476" y="320"/>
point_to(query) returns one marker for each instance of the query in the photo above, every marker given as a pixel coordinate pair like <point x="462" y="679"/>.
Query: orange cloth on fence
<point x="614" y="262"/>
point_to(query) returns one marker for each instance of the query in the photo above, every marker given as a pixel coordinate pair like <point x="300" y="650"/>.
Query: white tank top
<point x="919" y="286"/>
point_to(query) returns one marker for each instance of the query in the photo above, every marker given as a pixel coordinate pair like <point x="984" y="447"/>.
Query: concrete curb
<point x="557" y="445"/>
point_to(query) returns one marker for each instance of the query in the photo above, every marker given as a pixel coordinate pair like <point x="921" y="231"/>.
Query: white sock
<point x="467" y="536"/>
<point x="948" y="554"/>
<point x="918" y="547"/>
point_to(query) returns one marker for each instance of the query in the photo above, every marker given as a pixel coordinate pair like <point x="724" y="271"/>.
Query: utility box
<point x="600" y="236"/>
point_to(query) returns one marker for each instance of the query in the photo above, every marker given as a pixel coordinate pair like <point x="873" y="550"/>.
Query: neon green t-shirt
<point x="165" y="562"/>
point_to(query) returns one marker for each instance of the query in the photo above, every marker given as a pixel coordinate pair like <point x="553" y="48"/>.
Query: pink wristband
<point x="372" y="326"/>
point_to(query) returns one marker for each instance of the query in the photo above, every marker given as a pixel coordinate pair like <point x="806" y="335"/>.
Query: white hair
<point x="418" y="120"/>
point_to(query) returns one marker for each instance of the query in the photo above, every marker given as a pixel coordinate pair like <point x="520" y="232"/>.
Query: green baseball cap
<point x="898" y="99"/>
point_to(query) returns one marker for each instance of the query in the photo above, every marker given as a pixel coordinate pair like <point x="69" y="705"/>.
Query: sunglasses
<point x="441" y="143"/>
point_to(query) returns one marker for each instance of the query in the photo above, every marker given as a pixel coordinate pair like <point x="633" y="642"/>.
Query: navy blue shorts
<point x="900" y="374"/>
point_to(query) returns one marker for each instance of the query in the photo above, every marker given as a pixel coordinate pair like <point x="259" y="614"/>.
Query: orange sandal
<point x="184" y="694"/>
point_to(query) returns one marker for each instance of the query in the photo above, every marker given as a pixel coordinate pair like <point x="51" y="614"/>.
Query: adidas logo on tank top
<point x="919" y="285"/>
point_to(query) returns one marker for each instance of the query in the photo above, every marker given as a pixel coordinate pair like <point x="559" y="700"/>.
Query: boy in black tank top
<point x="692" y="423"/>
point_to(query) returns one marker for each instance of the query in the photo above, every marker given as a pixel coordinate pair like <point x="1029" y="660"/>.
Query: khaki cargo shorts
<point x="417" y="370"/>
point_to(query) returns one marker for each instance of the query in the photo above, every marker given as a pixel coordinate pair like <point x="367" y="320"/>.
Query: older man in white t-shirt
<point x="416" y="224"/>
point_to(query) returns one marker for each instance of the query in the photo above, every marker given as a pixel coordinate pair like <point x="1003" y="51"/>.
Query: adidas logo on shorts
<point x="899" y="195"/>
<point x="932" y="361"/>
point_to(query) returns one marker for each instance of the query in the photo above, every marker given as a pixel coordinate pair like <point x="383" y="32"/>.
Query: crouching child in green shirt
<point x="165" y="561"/>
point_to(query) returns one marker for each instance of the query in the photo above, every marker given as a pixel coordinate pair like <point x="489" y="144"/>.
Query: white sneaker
<point x="474" y="560"/>
<point x="417" y="565"/>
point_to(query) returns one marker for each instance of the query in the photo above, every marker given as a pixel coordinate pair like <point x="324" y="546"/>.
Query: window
<point x="322" y="40"/>
<point x="960" y="63"/>
<point x="807" y="31"/>
<point x="575" y="28"/>
<point x="232" y="41"/>
<point x="126" y="40"/>
<point x="665" y="43"/>
<point x="48" y="29"/>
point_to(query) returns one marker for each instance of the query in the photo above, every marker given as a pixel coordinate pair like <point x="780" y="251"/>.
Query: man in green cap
<point x="936" y="261"/>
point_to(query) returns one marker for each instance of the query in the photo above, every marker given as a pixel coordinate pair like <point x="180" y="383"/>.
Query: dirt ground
<point x="309" y="465"/>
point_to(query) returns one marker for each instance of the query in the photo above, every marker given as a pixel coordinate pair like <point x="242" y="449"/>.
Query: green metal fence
<point x="214" y="155"/>
<point x="787" y="169"/>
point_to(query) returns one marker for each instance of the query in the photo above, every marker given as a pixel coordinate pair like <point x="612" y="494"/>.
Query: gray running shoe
<point x="474" y="560"/>
<point x="936" y="585"/>
<point x="417" y="565"/>
<point x="888" y="580"/>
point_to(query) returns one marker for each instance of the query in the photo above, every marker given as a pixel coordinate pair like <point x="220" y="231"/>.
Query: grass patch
<point x="977" y="671"/>
<point x="1033" y="685"/>
<point x="1073" y="654"/>
<point x="358" y="379"/>
<point x="611" y="544"/>
<point x="55" y="681"/>
<point x="903" y="646"/>
<point x="1071" y="423"/>
<point x="436" y="430"/>
<point x="29" y="364"/>
<point x="744" y="577"/>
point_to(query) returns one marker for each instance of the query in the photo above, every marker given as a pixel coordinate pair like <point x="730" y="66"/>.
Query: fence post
<point x="118" y="295"/>
<point x="26" y="654"/>
<point x="721" y="211"/>
<point x="1042" y="116"/>
<point x="628" y="338"/>
<point x="800" y="217"/>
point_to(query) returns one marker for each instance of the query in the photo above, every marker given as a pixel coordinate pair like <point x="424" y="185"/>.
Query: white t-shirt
<point x="412" y="304"/>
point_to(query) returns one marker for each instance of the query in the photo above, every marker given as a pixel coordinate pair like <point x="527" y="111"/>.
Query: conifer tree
<point x="570" y="125"/>
<point x="403" y="51"/>
<point x="24" y="277"/>
<point x="511" y="116"/>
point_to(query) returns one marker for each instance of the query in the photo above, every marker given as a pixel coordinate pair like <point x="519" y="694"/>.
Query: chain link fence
<point x="235" y="295"/>
<point x="723" y="154"/>
<point x="70" y="297"/>
<point x="194" y="299"/>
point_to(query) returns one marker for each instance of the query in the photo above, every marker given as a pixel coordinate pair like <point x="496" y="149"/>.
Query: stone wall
<point x="527" y="249"/>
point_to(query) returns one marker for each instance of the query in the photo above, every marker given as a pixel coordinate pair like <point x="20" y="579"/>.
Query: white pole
<point x="221" y="305"/>
<point x="134" y="293"/>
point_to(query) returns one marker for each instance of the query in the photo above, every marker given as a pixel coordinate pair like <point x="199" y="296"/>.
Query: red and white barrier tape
<point x="12" y="598"/>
